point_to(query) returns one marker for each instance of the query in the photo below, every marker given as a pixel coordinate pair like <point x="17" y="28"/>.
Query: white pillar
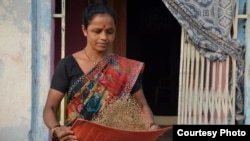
<point x="247" y="67"/>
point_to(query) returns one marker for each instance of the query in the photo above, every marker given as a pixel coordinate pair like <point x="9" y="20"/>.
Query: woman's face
<point x="101" y="32"/>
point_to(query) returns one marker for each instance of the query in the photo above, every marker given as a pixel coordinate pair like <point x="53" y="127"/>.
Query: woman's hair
<point x="94" y="8"/>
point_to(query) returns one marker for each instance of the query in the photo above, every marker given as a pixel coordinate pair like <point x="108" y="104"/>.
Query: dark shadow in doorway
<point x="154" y="38"/>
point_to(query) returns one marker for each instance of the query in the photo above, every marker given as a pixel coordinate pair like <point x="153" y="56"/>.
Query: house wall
<point x="247" y="67"/>
<point x="25" y="60"/>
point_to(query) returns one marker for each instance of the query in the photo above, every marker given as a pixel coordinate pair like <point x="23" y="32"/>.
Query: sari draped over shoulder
<point x="112" y="77"/>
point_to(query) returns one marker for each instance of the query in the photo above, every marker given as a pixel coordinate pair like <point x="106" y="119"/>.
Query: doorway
<point x="154" y="36"/>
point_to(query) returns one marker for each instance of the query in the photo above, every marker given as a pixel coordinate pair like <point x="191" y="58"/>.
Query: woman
<point x="92" y="76"/>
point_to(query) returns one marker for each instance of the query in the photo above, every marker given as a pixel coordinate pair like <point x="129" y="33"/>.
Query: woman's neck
<point x="94" y="57"/>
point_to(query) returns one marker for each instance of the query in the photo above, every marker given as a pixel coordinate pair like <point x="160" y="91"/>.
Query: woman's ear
<point x="84" y="31"/>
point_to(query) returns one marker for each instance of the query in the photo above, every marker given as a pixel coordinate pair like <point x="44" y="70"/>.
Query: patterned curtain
<point x="208" y="24"/>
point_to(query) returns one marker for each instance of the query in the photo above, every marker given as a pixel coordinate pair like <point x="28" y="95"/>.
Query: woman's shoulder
<point x="70" y="65"/>
<point x="67" y="60"/>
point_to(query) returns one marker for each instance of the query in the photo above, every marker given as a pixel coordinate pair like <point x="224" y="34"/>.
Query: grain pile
<point x="122" y="113"/>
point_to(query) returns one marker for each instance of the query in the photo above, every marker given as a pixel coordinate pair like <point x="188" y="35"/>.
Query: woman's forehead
<point x="102" y="20"/>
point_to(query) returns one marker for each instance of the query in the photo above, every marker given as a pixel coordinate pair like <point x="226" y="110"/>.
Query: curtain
<point x="208" y="24"/>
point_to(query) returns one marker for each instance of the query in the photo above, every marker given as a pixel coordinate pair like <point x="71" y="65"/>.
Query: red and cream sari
<point x="112" y="77"/>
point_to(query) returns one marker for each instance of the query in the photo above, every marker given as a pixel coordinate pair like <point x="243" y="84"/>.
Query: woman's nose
<point x="103" y="36"/>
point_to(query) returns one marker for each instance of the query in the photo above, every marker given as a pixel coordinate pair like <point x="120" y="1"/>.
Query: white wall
<point x="25" y="56"/>
<point x="15" y="70"/>
<point x="247" y="67"/>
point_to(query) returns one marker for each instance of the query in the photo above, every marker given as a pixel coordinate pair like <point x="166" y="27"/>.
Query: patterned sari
<point x="112" y="77"/>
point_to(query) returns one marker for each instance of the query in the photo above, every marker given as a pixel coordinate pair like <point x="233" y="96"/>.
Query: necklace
<point x="94" y="62"/>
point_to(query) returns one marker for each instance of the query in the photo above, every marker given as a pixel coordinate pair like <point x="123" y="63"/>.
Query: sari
<point x="113" y="77"/>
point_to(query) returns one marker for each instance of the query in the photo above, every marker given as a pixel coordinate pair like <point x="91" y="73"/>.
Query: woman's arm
<point x="147" y="113"/>
<point x="50" y="118"/>
<point x="51" y="107"/>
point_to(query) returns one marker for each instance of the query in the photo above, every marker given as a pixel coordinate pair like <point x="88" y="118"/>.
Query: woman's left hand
<point x="154" y="127"/>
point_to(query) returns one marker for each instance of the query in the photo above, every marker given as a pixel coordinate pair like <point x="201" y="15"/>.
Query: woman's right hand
<point x="64" y="133"/>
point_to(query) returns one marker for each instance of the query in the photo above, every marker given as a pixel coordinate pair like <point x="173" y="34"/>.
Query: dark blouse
<point x="68" y="71"/>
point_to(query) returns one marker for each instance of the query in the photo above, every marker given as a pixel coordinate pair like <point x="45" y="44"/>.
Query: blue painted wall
<point x="247" y="66"/>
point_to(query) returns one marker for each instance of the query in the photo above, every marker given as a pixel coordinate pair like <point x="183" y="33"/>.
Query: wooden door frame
<point x="120" y="43"/>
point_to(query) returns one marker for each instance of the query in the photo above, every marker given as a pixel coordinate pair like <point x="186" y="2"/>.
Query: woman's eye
<point x="110" y="31"/>
<point x="97" y="31"/>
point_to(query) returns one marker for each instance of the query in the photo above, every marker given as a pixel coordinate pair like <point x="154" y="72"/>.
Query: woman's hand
<point x="63" y="133"/>
<point x="154" y="126"/>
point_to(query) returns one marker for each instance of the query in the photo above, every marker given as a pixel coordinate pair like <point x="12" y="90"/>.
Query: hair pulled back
<point x="96" y="7"/>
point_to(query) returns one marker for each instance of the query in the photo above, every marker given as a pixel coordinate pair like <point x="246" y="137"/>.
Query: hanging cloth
<point x="208" y="24"/>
